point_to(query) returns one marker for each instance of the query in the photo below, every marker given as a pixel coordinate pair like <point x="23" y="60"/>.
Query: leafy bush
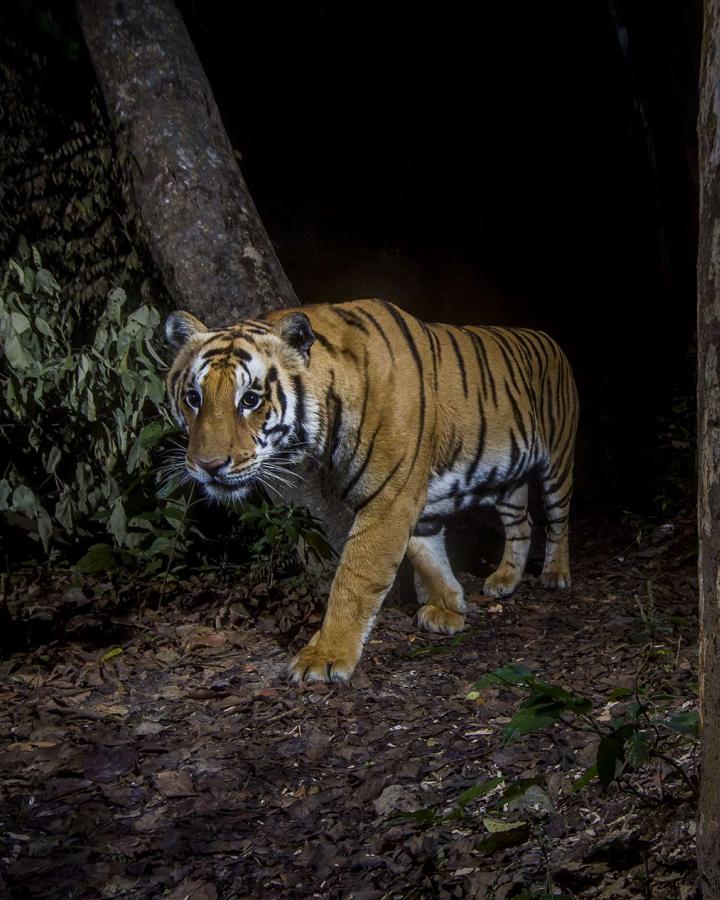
<point x="82" y="417"/>
<point x="80" y="414"/>
<point x="287" y="537"/>
<point x="641" y="733"/>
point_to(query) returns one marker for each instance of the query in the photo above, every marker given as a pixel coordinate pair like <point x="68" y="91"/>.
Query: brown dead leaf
<point x="193" y="889"/>
<point x="25" y="746"/>
<point x="174" y="784"/>
<point x="482" y="599"/>
<point x="214" y="639"/>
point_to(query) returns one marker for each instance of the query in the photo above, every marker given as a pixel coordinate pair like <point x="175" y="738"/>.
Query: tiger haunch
<point x="409" y="423"/>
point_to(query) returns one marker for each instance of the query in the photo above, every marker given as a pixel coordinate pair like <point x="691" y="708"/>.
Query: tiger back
<point x="408" y="423"/>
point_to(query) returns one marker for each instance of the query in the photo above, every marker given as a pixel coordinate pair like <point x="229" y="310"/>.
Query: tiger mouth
<point x="231" y="487"/>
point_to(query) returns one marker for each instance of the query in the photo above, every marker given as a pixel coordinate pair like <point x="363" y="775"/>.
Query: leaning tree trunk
<point x="202" y="226"/>
<point x="203" y="229"/>
<point x="708" y="337"/>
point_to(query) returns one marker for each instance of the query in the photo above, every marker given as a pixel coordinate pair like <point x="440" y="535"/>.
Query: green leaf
<point x="513" y="673"/>
<point x="427" y="816"/>
<point x="518" y="788"/>
<point x="24" y="501"/>
<point x="20" y="323"/>
<point x="496" y="825"/>
<point x="15" y="353"/>
<point x="533" y="797"/>
<point x="530" y="719"/>
<point x="54" y="457"/>
<point x="45" y="528"/>
<point x="609" y="759"/>
<point x="117" y="524"/>
<point x="585" y="779"/>
<point x="111" y="654"/>
<point x="161" y="546"/>
<point x="99" y="558"/>
<point x="544" y="693"/>
<point x="500" y="840"/>
<point x="42" y="326"/>
<point x="687" y="722"/>
<point x="637" y="749"/>
<point x="478" y="790"/>
<point x="153" y="432"/>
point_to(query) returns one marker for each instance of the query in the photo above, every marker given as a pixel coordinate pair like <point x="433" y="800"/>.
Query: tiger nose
<point x="212" y="466"/>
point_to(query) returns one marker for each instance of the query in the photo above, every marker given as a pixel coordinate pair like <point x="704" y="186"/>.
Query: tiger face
<point x="240" y="396"/>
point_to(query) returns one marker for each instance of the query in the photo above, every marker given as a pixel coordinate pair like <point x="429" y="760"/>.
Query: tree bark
<point x="708" y="335"/>
<point x="204" y="232"/>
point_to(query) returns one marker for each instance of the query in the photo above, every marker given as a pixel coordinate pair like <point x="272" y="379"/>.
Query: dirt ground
<point x="164" y="754"/>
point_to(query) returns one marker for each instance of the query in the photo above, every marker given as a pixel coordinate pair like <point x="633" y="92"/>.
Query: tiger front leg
<point x="366" y="571"/>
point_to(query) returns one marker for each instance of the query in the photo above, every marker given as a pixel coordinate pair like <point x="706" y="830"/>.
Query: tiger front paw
<point x="321" y="662"/>
<point x="440" y="620"/>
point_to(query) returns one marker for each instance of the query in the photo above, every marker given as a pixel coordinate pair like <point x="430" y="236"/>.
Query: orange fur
<point x="409" y="423"/>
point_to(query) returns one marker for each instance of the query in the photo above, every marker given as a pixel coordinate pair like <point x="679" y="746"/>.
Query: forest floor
<point x="163" y="753"/>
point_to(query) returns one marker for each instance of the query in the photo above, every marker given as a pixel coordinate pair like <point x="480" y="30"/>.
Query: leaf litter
<point x="163" y="753"/>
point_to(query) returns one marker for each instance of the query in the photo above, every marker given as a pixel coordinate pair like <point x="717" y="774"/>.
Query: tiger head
<point x="241" y="396"/>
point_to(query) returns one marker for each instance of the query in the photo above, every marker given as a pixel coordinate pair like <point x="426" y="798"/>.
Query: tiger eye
<point x="193" y="399"/>
<point x="250" y="400"/>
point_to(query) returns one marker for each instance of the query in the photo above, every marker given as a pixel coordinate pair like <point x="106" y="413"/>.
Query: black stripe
<point x="483" y="364"/>
<point x="300" y="411"/>
<point x="324" y="343"/>
<point x="349" y="318"/>
<point x="480" y="447"/>
<point x="426" y="332"/>
<point x="358" y="475"/>
<point x="381" y="331"/>
<point x="334" y="406"/>
<point x="282" y="398"/>
<point x="454" y="455"/>
<point x="510" y="362"/>
<point x="363" y="410"/>
<point x="517" y="458"/>
<point x="402" y="325"/>
<point x="517" y="414"/>
<point x="381" y="487"/>
<point x="215" y="351"/>
<point x="460" y="362"/>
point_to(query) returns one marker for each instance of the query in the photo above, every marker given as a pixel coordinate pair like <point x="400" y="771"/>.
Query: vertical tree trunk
<point x="708" y="326"/>
<point x="203" y="229"/>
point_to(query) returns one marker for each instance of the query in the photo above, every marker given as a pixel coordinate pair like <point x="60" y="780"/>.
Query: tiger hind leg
<point x="513" y="510"/>
<point x="442" y="604"/>
<point x="556" y="500"/>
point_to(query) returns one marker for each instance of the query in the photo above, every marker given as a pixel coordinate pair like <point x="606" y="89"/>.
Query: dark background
<point x="520" y="164"/>
<point x="517" y="164"/>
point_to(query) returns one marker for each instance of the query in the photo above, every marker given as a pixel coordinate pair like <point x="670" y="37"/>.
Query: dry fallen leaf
<point x="174" y="784"/>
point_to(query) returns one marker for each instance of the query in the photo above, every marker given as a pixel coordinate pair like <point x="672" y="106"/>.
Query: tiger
<point x="408" y="424"/>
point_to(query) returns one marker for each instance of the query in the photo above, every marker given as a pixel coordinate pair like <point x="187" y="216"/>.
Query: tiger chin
<point x="408" y="422"/>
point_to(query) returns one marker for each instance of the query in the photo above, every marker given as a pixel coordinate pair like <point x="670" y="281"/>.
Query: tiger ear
<point x="295" y="329"/>
<point x="180" y="327"/>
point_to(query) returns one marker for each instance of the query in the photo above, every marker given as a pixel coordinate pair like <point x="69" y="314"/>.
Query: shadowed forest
<point x="523" y="169"/>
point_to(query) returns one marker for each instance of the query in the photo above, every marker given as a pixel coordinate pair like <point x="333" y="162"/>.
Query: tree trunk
<point x="708" y="326"/>
<point x="203" y="229"/>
